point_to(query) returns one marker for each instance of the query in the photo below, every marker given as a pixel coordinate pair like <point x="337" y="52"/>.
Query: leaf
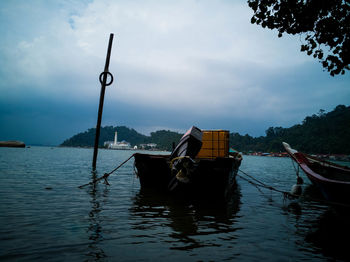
<point x="324" y="24"/>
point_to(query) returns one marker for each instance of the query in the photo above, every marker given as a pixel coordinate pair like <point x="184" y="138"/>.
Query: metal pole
<point x="103" y="81"/>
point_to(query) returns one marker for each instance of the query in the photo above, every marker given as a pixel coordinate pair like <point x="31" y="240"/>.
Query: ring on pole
<point x="107" y="74"/>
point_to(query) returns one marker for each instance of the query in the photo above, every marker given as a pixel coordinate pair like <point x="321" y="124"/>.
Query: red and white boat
<point x="332" y="179"/>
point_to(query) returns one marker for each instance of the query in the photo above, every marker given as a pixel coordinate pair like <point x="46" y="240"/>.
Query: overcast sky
<point x="175" y="64"/>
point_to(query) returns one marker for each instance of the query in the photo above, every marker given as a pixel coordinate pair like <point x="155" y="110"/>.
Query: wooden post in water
<point x="103" y="81"/>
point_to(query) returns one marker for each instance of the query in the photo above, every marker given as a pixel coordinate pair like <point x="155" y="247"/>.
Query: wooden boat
<point x="332" y="179"/>
<point x="186" y="175"/>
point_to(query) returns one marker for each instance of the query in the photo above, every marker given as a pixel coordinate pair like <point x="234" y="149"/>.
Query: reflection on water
<point x="330" y="233"/>
<point x="94" y="229"/>
<point x="187" y="220"/>
<point x="123" y="223"/>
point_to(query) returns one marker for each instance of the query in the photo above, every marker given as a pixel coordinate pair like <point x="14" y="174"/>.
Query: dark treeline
<point x="324" y="133"/>
<point x="320" y="133"/>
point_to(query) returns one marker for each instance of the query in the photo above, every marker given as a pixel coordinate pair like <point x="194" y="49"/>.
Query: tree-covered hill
<point x="87" y="138"/>
<point x="320" y="133"/>
<point x="163" y="138"/>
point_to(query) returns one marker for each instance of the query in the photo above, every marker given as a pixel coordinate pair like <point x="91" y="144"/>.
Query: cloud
<point x="174" y="63"/>
<point x="152" y="39"/>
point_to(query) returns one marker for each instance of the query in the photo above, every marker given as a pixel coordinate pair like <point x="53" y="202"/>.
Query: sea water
<point x="44" y="216"/>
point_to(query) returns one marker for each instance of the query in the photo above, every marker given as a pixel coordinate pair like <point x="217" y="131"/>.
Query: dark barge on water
<point x="199" y="167"/>
<point x="12" y="144"/>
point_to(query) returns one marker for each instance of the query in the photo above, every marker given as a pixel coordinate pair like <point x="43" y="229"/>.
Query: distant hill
<point x="320" y="133"/>
<point x="163" y="138"/>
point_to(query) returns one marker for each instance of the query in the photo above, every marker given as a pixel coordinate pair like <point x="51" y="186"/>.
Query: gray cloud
<point x="175" y="64"/>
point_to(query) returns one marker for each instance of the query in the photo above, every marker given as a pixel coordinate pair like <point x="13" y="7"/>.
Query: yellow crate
<point x="215" y="143"/>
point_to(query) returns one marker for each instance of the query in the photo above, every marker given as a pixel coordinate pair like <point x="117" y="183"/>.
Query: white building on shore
<point x="123" y="145"/>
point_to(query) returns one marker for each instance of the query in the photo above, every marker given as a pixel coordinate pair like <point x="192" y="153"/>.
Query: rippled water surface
<point x="44" y="216"/>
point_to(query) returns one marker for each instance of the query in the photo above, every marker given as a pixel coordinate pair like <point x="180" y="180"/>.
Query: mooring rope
<point x="258" y="184"/>
<point x="251" y="177"/>
<point x="106" y="175"/>
<point x="296" y="169"/>
<point x="286" y="194"/>
<point x="177" y="158"/>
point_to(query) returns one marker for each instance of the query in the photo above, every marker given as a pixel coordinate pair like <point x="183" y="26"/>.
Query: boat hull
<point x="332" y="191"/>
<point x="333" y="180"/>
<point x="209" y="179"/>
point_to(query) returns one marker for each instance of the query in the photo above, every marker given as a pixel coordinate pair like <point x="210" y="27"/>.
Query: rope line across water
<point x="106" y="175"/>
<point x="286" y="194"/>
<point x="258" y="183"/>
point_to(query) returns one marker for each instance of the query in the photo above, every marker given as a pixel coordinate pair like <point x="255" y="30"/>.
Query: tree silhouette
<point x="324" y="24"/>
